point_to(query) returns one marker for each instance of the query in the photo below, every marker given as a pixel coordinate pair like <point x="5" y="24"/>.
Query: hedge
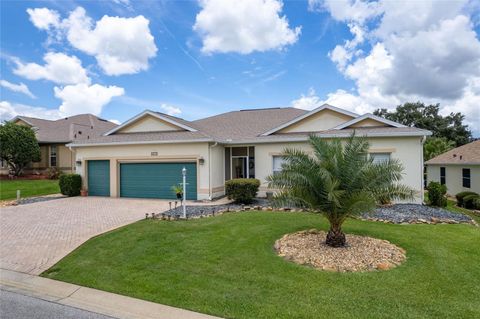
<point x="471" y="201"/>
<point x="70" y="184"/>
<point x="436" y="194"/>
<point x="461" y="196"/>
<point x="242" y="190"/>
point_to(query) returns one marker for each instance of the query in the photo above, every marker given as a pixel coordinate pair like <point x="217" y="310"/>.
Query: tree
<point x="427" y="117"/>
<point x="338" y="180"/>
<point x="18" y="146"/>
<point x="435" y="146"/>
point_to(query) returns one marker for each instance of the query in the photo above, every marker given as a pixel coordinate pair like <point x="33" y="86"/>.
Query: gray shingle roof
<point x="465" y="154"/>
<point x="243" y="126"/>
<point x="69" y="129"/>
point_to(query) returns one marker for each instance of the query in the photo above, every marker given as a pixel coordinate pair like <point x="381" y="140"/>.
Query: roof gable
<point x="368" y="120"/>
<point x="149" y="121"/>
<point x="322" y="118"/>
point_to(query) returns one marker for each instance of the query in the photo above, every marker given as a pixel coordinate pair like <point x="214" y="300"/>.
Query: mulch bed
<point x="361" y="253"/>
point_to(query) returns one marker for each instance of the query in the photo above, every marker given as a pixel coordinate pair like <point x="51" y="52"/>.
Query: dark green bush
<point x="242" y="190"/>
<point x="471" y="201"/>
<point x="70" y="184"/>
<point x="461" y="196"/>
<point x="436" y="194"/>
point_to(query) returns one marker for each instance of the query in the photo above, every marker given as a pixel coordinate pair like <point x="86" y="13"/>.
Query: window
<point x="53" y="156"/>
<point x="466" y="177"/>
<point x="380" y="157"/>
<point x="278" y="161"/>
<point x="442" y="175"/>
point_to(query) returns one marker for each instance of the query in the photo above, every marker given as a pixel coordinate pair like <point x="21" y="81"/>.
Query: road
<point x="17" y="306"/>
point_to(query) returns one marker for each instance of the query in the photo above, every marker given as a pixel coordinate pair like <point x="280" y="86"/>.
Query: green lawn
<point x="28" y="188"/>
<point x="226" y="266"/>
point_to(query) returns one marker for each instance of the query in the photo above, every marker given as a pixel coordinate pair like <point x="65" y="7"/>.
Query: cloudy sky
<point x="197" y="58"/>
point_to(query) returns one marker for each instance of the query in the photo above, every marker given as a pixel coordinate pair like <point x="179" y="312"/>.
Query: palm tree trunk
<point x="335" y="236"/>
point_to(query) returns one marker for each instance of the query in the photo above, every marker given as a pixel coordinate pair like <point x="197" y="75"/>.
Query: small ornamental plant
<point x="178" y="190"/>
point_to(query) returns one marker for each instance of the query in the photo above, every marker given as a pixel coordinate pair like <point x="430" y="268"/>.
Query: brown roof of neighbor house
<point x="465" y="154"/>
<point x="245" y="126"/>
<point x="69" y="129"/>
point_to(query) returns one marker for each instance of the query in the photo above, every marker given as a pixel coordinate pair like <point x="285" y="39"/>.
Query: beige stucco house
<point x="144" y="156"/>
<point x="53" y="136"/>
<point x="458" y="169"/>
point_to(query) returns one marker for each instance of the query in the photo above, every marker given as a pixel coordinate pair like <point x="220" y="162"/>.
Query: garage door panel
<point x="155" y="180"/>
<point x="99" y="178"/>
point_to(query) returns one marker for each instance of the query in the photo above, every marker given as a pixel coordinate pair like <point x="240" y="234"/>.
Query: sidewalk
<point x="93" y="300"/>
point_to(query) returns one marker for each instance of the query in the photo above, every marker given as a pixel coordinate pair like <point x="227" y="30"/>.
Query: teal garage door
<point x="155" y="180"/>
<point x="99" y="178"/>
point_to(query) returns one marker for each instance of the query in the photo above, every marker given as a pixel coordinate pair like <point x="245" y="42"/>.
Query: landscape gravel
<point x="207" y="210"/>
<point x="360" y="254"/>
<point x="407" y="213"/>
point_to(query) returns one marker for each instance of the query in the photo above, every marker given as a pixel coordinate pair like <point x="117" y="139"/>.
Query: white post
<point x="18" y="195"/>
<point x="184" y="173"/>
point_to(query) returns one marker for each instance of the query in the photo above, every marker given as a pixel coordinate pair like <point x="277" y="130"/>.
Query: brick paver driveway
<point x="33" y="237"/>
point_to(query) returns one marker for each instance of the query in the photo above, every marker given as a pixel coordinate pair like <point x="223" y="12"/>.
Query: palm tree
<point x="338" y="180"/>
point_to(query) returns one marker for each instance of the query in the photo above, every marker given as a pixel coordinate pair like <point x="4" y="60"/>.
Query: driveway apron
<point x="33" y="237"/>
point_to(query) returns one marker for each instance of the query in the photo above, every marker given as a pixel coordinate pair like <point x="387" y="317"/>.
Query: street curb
<point x="89" y="299"/>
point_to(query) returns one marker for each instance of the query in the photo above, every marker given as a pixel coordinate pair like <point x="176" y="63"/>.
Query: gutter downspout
<point x="422" y="196"/>
<point x="210" y="191"/>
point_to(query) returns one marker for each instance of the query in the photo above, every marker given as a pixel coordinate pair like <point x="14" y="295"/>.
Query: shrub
<point x="471" y="201"/>
<point x="70" y="184"/>
<point x="436" y="194"/>
<point x="460" y="197"/>
<point x="53" y="173"/>
<point x="242" y="190"/>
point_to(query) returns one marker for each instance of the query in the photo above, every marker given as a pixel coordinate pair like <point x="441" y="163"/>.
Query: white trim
<point x="203" y="140"/>
<point x="368" y="116"/>
<point x="312" y="112"/>
<point x="340" y="134"/>
<point x="19" y="117"/>
<point x="457" y="164"/>
<point x="154" y="114"/>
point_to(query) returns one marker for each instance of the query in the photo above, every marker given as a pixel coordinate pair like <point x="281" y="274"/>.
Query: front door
<point x="239" y="167"/>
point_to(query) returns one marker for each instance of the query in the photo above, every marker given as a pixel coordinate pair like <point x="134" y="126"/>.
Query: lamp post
<point x="184" y="174"/>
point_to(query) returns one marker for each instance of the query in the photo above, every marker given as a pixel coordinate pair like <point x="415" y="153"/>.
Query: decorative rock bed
<point x="200" y="211"/>
<point x="30" y="200"/>
<point x="416" y="214"/>
<point x="361" y="253"/>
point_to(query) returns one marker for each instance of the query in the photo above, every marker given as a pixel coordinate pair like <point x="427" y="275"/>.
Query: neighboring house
<point x="144" y="156"/>
<point x="52" y="137"/>
<point x="458" y="168"/>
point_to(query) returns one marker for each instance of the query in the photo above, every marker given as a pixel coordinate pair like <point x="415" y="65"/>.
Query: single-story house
<point x="53" y="135"/>
<point x="144" y="156"/>
<point x="458" y="169"/>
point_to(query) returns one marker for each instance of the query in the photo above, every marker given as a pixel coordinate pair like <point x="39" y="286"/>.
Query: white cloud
<point x="9" y="110"/>
<point x="76" y="99"/>
<point x="20" y="88"/>
<point x="412" y="51"/>
<point x="84" y="98"/>
<point x="170" y="109"/>
<point x="115" y="121"/>
<point x="307" y="101"/>
<point x="347" y="10"/>
<point x="243" y="26"/>
<point x="120" y="45"/>
<point x="43" y="18"/>
<point x="59" y="68"/>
